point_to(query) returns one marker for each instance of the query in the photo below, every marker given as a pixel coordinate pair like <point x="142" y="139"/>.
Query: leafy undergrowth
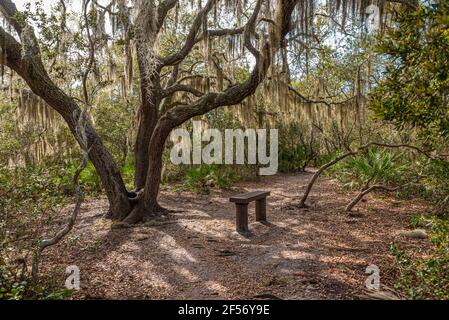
<point x="425" y="277"/>
<point x="32" y="200"/>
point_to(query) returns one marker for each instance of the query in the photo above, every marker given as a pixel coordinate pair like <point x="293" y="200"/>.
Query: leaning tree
<point x="176" y="83"/>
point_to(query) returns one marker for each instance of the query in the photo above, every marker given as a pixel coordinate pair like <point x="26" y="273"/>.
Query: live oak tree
<point x="186" y="68"/>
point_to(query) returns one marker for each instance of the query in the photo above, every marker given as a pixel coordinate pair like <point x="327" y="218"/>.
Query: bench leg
<point x="261" y="210"/>
<point x="241" y="213"/>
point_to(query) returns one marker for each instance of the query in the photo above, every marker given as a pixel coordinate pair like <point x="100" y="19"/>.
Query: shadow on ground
<point x="318" y="253"/>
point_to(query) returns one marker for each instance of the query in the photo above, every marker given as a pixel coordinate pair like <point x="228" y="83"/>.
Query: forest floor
<point x="316" y="253"/>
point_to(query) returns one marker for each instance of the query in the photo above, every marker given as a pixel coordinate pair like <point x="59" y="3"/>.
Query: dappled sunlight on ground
<point x="315" y="253"/>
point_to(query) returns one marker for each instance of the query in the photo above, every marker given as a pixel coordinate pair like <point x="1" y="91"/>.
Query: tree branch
<point x="306" y="99"/>
<point x="181" y="87"/>
<point x="163" y="9"/>
<point x="302" y="203"/>
<point x="177" y="57"/>
<point x="9" y="10"/>
<point x="79" y="196"/>
<point x="367" y="190"/>
<point x="12" y="51"/>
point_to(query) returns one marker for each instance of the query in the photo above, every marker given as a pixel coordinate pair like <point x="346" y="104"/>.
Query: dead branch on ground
<point x="302" y="203"/>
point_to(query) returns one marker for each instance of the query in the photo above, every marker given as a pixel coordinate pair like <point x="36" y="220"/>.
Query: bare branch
<point x="190" y="41"/>
<point x="367" y="190"/>
<point x="302" y="203"/>
<point x="79" y="196"/>
<point x="81" y="134"/>
<point x="249" y="30"/>
<point x="306" y="99"/>
<point x="220" y="33"/>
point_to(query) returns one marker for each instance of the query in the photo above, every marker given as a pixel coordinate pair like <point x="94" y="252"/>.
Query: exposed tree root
<point x="142" y="212"/>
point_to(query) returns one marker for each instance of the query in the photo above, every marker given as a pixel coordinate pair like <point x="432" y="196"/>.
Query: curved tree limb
<point x="367" y="190"/>
<point x="302" y="203"/>
<point x="181" y="87"/>
<point x="25" y="59"/>
<point x="79" y="196"/>
<point x="177" y="57"/>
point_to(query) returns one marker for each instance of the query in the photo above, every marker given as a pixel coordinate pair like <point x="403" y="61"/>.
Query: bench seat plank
<point x="249" y="196"/>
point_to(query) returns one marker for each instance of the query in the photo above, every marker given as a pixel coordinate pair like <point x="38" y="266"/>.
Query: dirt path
<point x="316" y="253"/>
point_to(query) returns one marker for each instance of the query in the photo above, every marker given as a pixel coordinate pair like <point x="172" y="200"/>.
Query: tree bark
<point x="31" y="69"/>
<point x="100" y="157"/>
<point x="148" y="114"/>
<point x="153" y="129"/>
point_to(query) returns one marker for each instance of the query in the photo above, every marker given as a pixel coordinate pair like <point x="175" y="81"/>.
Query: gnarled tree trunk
<point x="31" y="69"/>
<point x="154" y="128"/>
<point x="148" y="113"/>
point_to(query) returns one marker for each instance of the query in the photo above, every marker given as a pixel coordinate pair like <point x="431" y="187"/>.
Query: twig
<point x="43" y="244"/>
<point x="81" y="123"/>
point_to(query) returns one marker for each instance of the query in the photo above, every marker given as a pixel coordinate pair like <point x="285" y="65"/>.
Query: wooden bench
<point x="241" y="208"/>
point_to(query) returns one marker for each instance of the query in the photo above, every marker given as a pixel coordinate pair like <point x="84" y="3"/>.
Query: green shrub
<point x="14" y="285"/>
<point x="436" y="182"/>
<point x="203" y="177"/>
<point x="293" y="159"/>
<point x="298" y="147"/>
<point x="418" y="221"/>
<point x="128" y="172"/>
<point x="326" y="157"/>
<point x="374" y="166"/>
<point x="88" y="178"/>
<point x="30" y="199"/>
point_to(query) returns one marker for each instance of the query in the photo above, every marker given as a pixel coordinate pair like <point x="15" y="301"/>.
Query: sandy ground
<point x="316" y="253"/>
